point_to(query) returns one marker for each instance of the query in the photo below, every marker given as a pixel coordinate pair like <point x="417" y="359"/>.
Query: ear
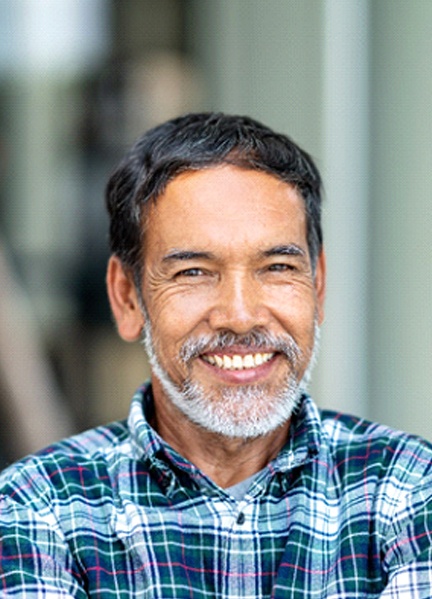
<point x="320" y="285"/>
<point x="124" y="302"/>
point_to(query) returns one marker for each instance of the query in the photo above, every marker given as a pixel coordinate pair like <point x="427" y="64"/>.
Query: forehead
<point x="226" y="205"/>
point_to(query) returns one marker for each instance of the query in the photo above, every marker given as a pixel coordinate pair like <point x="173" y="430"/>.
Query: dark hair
<point x="197" y="141"/>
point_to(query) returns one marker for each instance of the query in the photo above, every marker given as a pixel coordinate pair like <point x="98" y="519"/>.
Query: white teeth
<point x="258" y="359"/>
<point x="238" y="362"/>
<point x="219" y="361"/>
<point x="227" y="362"/>
<point x="248" y="361"/>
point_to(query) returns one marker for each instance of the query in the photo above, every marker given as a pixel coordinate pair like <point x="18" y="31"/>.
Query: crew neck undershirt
<point x="239" y="490"/>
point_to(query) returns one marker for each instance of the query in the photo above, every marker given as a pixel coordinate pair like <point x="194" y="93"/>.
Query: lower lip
<point x="248" y="375"/>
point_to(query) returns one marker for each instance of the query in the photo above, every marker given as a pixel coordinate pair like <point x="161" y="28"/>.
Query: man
<point x="227" y="481"/>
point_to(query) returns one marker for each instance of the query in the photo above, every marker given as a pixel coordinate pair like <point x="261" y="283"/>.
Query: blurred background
<point x="350" y="81"/>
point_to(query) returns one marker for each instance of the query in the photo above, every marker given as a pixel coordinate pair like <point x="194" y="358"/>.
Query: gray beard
<point x="246" y="412"/>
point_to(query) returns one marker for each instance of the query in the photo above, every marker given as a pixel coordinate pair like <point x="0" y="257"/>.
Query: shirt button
<point x="241" y="518"/>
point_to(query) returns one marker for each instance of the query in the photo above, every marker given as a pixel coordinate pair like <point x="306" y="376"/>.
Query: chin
<point x="245" y="412"/>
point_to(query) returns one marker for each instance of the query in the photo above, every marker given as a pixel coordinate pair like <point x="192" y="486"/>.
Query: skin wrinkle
<point x="150" y="208"/>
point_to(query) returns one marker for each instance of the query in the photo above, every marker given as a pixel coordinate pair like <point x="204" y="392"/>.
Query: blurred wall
<point x="400" y="264"/>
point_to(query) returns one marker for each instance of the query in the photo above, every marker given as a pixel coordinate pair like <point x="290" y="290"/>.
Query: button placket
<point x="242" y="548"/>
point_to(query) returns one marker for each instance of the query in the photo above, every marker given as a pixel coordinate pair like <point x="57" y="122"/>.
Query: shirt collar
<point x="304" y="437"/>
<point x="146" y="441"/>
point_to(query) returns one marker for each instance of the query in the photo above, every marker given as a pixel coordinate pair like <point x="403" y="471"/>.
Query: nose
<point x="240" y="305"/>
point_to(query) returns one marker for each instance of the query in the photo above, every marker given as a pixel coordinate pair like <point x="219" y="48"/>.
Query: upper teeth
<point x="238" y="362"/>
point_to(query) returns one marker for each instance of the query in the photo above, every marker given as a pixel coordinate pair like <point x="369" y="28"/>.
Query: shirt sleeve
<point x="34" y="557"/>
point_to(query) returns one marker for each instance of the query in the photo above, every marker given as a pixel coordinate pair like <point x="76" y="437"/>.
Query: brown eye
<point x="280" y="267"/>
<point x="190" y="272"/>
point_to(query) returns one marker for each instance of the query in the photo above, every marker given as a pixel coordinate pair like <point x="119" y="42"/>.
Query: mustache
<point x="257" y="340"/>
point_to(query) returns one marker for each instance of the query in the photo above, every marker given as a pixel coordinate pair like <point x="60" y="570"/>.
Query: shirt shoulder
<point x="377" y="450"/>
<point x="76" y="462"/>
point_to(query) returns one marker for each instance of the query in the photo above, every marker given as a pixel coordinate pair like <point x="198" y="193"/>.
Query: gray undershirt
<point x="239" y="490"/>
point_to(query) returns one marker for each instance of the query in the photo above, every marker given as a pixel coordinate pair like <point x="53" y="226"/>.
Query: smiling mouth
<point x="237" y="361"/>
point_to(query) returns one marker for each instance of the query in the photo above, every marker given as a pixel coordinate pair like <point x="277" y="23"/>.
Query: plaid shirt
<point x="344" y="511"/>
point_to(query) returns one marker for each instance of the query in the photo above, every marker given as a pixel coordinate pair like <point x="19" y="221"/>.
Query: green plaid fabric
<point x="345" y="511"/>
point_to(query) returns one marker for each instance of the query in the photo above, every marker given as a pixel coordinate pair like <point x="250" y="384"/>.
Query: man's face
<point x="230" y="299"/>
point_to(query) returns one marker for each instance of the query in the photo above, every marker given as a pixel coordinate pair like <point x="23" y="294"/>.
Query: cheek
<point x="174" y="323"/>
<point x="296" y="314"/>
<point x="294" y="304"/>
<point x="177" y="312"/>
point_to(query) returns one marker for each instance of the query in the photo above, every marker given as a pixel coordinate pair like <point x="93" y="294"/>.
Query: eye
<point x="281" y="267"/>
<point x="190" y="272"/>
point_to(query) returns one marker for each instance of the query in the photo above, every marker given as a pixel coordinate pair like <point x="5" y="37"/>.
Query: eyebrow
<point x="290" y="249"/>
<point x="284" y="250"/>
<point x="184" y="255"/>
